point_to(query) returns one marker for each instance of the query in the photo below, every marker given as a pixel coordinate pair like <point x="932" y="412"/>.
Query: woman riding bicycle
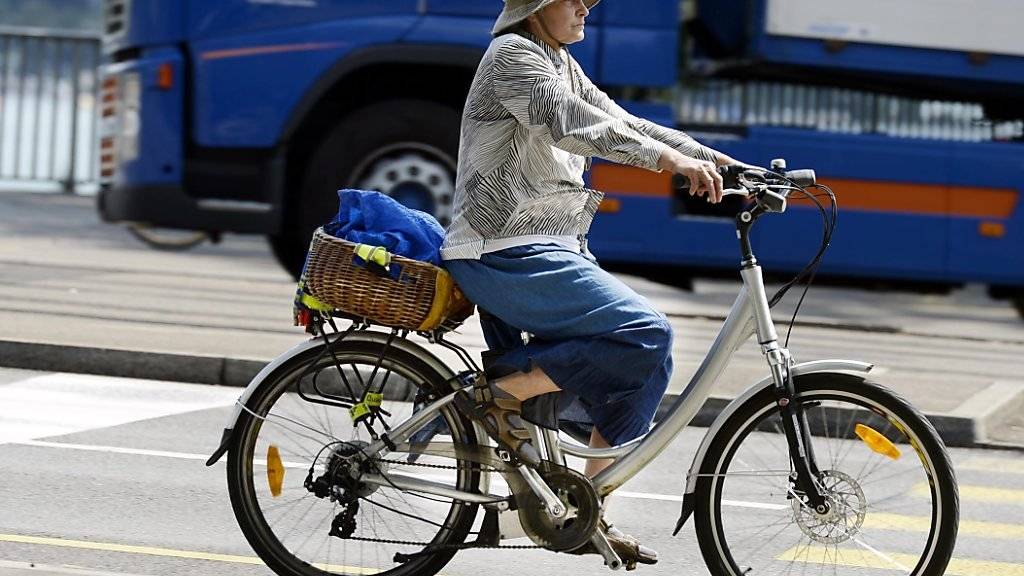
<point x="517" y="243"/>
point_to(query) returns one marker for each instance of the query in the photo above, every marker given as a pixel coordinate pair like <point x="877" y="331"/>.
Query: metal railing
<point x="49" y="88"/>
<point x="839" y="110"/>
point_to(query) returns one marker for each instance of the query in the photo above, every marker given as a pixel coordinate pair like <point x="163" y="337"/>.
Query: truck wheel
<point x="406" y="149"/>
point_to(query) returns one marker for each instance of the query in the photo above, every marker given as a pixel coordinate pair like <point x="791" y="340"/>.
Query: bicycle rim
<point x="290" y="527"/>
<point x="889" y="512"/>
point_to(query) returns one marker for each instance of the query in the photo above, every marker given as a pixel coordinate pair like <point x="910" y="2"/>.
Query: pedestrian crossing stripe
<point x="901" y="523"/>
<point x="977" y="493"/>
<point x="859" y="558"/>
<point x="1002" y="465"/>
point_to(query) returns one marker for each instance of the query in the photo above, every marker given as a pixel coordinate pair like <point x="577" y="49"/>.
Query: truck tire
<point x="404" y="148"/>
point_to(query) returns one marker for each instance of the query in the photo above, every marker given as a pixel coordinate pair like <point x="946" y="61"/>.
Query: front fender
<point x="847" y="367"/>
<point x="302" y="348"/>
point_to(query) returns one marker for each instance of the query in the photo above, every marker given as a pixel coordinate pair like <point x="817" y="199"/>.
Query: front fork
<point x="797" y="430"/>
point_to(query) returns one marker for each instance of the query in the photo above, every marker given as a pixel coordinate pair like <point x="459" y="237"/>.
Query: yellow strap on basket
<point x="366" y="407"/>
<point x="376" y="254"/>
<point x="314" y="304"/>
<point x="439" y="308"/>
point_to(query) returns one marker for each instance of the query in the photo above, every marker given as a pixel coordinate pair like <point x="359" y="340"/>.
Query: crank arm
<point x="611" y="559"/>
<point x="552" y="505"/>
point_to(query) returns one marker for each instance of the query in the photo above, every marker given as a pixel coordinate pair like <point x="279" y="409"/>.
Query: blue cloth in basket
<point x="368" y="217"/>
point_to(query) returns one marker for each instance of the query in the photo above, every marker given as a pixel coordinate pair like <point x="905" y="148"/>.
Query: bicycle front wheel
<point x="884" y="471"/>
<point x="294" y="465"/>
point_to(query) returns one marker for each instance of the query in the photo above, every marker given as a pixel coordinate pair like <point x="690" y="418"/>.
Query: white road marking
<point x="32" y="569"/>
<point x="57" y="404"/>
<point x="260" y="462"/>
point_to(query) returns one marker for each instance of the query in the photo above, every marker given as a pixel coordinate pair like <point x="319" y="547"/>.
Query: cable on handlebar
<point x="808" y="273"/>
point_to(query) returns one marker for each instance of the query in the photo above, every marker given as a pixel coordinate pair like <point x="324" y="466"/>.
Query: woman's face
<point x="563" y="19"/>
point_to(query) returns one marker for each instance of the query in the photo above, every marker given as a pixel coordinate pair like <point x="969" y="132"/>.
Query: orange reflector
<point x="165" y="77"/>
<point x="610" y="205"/>
<point x="275" y="471"/>
<point x="877" y="441"/>
<point x="992" y="229"/>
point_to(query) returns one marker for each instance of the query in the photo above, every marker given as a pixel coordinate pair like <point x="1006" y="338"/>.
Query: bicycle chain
<point x="424" y="465"/>
<point x="462" y="546"/>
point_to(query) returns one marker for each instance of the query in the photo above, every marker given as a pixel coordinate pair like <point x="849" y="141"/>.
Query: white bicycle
<point x="347" y="455"/>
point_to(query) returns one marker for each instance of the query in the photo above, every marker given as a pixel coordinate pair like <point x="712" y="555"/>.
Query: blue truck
<point x="247" y="115"/>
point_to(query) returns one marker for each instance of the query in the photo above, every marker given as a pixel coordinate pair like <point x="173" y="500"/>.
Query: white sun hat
<point x="516" y="11"/>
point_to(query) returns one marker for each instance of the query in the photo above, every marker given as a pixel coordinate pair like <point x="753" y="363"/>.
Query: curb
<point x="967" y="426"/>
<point x="193" y="369"/>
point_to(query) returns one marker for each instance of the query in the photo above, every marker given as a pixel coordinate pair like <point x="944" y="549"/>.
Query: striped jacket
<point x="531" y="120"/>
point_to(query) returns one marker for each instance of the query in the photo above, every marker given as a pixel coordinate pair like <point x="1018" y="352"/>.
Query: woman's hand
<point x="704" y="177"/>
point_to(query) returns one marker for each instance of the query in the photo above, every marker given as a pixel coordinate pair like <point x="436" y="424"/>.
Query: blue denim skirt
<point x="598" y="340"/>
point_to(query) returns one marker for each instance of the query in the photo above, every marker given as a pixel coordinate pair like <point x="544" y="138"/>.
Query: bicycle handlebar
<point x="740" y="177"/>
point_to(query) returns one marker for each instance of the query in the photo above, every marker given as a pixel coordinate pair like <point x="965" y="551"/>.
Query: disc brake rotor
<point x="583" y="510"/>
<point x="847" y="509"/>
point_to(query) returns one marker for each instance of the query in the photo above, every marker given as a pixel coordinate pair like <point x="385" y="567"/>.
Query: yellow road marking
<point x="881" y="521"/>
<point x="165" y="552"/>
<point x="865" y="559"/>
<point x="1014" y="466"/>
<point x="977" y="493"/>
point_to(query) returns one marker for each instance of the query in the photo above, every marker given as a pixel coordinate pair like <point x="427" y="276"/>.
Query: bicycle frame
<point x="750" y="314"/>
<point x="632" y="457"/>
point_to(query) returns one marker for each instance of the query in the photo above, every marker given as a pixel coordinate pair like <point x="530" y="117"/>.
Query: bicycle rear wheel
<point x="287" y="436"/>
<point x="897" y="512"/>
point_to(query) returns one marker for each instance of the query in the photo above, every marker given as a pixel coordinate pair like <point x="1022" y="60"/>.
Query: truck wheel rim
<point x="417" y="175"/>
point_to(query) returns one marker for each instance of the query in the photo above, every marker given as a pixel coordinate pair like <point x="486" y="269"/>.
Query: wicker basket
<point x="421" y="298"/>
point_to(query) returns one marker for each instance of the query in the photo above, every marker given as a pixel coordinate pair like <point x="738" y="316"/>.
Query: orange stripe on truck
<point x="261" y="50"/>
<point x="880" y="196"/>
<point x="934" y="199"/>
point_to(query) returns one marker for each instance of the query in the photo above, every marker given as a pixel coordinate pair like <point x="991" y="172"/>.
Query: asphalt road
<point x="104" y="475"/>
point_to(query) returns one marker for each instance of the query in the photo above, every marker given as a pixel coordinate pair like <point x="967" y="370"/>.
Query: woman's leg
<point x="596" y="465"/>
<point x="526" y="385"/>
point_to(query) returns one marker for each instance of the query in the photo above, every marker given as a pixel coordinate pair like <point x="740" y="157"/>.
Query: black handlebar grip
<point x="802" y="177"/>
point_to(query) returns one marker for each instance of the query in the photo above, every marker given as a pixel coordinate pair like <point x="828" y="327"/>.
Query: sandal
<point x="627" y="547"/>
<point x="500" y="413"/>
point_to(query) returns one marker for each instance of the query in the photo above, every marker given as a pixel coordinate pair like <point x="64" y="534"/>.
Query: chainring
<point x="583" y="510"/>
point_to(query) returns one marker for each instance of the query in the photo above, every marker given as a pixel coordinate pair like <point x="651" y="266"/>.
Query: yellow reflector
<point x="992" y="229"/>
<point x="610" y="205"/>
<point x="275" y="471"/>
<point x="877" y="441"/>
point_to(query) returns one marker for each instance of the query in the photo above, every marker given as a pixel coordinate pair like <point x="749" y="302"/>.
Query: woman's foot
<point x="500" y="413"/>
<point x="627" y="547"/>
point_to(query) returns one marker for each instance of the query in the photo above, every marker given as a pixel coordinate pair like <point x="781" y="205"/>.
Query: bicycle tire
<point x="167" y="240"/>
<point x="820" y="393"/>
<point x="241" y="456"/>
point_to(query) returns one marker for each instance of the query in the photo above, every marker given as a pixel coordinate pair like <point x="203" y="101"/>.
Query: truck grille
<point x="116" y="17"/>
